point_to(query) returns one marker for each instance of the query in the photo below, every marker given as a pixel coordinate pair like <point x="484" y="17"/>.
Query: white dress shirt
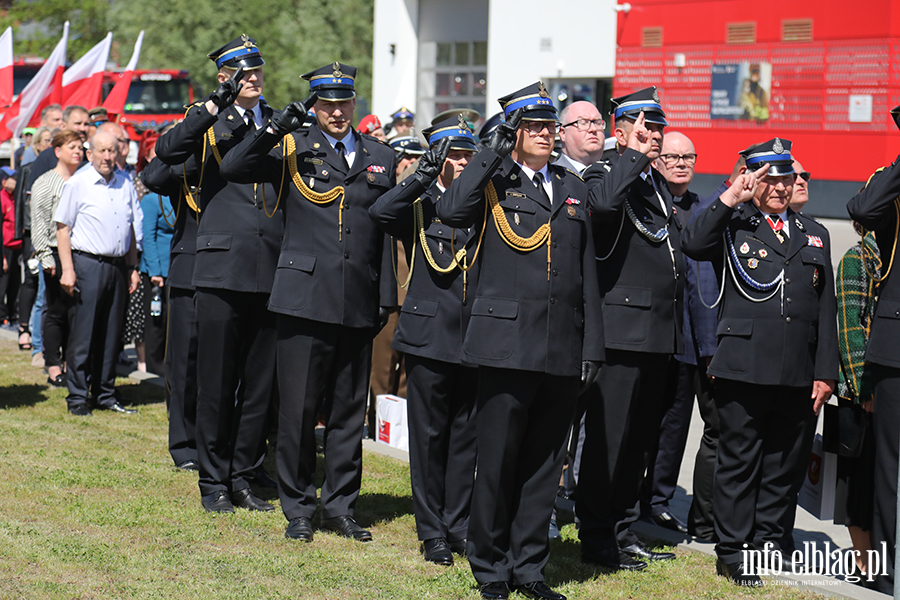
<point x="349" y="142"/>
<point x="99" y="212"/>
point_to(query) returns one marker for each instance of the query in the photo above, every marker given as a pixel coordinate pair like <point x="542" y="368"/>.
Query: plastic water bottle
<point x="156" y="302"/>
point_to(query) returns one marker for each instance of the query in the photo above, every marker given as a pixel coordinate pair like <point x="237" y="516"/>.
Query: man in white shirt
<point x="98" y="254"/>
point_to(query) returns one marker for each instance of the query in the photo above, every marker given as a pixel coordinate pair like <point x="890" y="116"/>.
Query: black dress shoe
<point x="669" y="521"/>
<point x="735" y="572"/>
<point x="642" y="552"/>
<point x="81" y="410"/>
<point x="458" y="547"/>
<point x="539" y="589"/>
<point x="116" y="407"/>
<point x="299" y="529"/>
<point x="495" y="590"/>
<point x="59" y="382"/>
<point x="188" y="465"/>
<point x="347" y="527"/>
<point x="217" y="502"/>
<point x="246" y="499"/>
<point x="437" y="550"/>
<point x="263" y="479"/>
<point x="614" y="559"/>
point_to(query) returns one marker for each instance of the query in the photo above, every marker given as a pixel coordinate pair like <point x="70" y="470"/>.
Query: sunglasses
<point x="805" y="175"/>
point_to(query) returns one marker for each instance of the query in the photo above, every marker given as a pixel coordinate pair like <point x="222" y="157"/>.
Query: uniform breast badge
<point x="371" y="177"/>
<point x="312" y="182"/>
<point x="440" y="247"/>
<point x="815" y="241"/>
<point x="752" y="263"/>
<point x="571" y="210"/>
<point x="516" y="218"/>
<point x="799" y="225"/>
<point x="745" y="248"/>
<point x="763" y="253"/>
<point x="815" y="280"/>
<point x="513" y="177"/>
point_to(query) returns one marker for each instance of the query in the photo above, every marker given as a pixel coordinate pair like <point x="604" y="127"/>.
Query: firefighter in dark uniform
<point x="877" y="208"/>
<point x="237" y="250"/>
<point x="329" y="296"/>
<point x="181" y="328"/>
<point x="777" y="359"/>
<point x="637" y="230"/>
<point x="536" y="332"/>
<point x="433" y="319"/>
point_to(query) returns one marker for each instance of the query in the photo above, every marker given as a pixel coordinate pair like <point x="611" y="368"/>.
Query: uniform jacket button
<point x="788" y="320"/>
<point x="490" y="310"/>
<point x="728" y="329"/>
<point x="290" y="262"/>
<point x="627" y="300"/>
<point x="787" y="262"/>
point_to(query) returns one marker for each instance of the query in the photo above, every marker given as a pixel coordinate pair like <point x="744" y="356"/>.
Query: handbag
<point x="844" y="429"/>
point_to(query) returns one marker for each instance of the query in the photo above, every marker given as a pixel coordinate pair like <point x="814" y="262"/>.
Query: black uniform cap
<point x="646" y="100"/>
<point x="534" y="101"/>
<point x="407" y="144"/>
<point x="776" y="152"/>
<point x="487" y="130"/>
<point x="239" y="52"/>
<point x="454" y="128"/>
<point x="332" y="82"/>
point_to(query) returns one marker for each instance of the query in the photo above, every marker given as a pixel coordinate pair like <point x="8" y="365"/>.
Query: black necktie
<point x="539" y="184"/>
<point x="251" y="122"/>
<point x="339" y="148"/>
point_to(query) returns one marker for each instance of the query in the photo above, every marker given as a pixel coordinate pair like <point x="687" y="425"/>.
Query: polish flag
<point x="83" y="80"/>
<point x="115" y="102"/>
<point x="44" y="88"/>
<point x="6" y="68"/>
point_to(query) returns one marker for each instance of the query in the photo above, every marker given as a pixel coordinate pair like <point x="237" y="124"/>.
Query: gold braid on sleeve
<point x="289" y="155"/>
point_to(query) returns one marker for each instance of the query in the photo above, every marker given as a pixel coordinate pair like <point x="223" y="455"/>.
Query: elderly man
<point x="582" y="136"/>
<point x="98" y="255"/>
<point x="639" y="264"/>
<point x="537" y="272"/>
<point x="686" y="374"/>
<point x="776" y="360"/>
<point x="801" y="187"/>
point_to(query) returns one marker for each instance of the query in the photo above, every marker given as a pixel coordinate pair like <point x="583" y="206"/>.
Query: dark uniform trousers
<point x="875" y="208"/>
<point x="237" y="247"/>
<point x="181" y="317"/>
<point x="181" y="374"/>
<point x="521" y="421"/>
<point x="762" y="427"/>
<point x="430" y="331"/>
<point x="642" y="289"/>
<point x="319" y="361"/>
<point x="326" y="292"/>
<point x="623" y="414"/>
<point x="769" y="354"/>
<point x="700" y="517"/>
<point x="532" y="324"/>
<point x="96" y="318"/>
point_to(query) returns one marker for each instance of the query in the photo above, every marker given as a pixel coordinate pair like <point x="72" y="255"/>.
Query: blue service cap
<point x="239" y="52"/>
<point x="534" y="101"/>
<point x="454" y="128"/>
<point x="631" y="105"/>
<point x="332" y="82"/>
<point x="776" y="152"/>
<point x="402" y="114"/>
<point x="407" y="144"/>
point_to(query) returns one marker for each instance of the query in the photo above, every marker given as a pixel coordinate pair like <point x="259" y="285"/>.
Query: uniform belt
<point x="110" y="260"/>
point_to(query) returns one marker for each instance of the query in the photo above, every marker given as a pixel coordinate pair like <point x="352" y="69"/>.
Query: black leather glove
<point x="589" y="370"/>
<point x="310" y="101"/>
<point x="432" y="162"/>
<point x="384" y="314"/>
<point x="288" y="120"/>
<point x="228" y="90"/>
<point x="504" y="138"/>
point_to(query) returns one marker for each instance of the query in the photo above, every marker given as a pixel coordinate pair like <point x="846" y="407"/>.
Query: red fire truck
<point x="156" y="97"/>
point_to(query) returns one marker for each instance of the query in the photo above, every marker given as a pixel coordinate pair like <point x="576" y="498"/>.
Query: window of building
<point x="797" y="30"/>
<point x="740" y="33"/>
<point x="652" y="37"/>
<point x="451" y="75"/>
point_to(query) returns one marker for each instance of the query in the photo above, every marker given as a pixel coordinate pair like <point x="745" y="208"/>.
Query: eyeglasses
<point x="805" y="175"/>
<point x="537" y="127"/>
<point x="585" y="124"/>
<point x="670" y="160"/>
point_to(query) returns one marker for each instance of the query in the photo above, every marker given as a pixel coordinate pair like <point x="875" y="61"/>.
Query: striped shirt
<point x="45" y="195"/>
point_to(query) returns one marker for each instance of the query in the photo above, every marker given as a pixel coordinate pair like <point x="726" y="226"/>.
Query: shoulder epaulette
<point x="569" y="170"/>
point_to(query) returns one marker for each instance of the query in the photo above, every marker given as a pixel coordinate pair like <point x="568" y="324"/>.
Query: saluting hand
<point x="288" y="120"/>
<point x="504" y="139"/>
<point x="744" y="187"/>
<point x="432" y="162"/>
<point x="639" y="139"/>
<point x="228" y="90"/>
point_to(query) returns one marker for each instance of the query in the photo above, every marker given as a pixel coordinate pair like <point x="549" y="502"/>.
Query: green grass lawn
<point x="93" y="508"/>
